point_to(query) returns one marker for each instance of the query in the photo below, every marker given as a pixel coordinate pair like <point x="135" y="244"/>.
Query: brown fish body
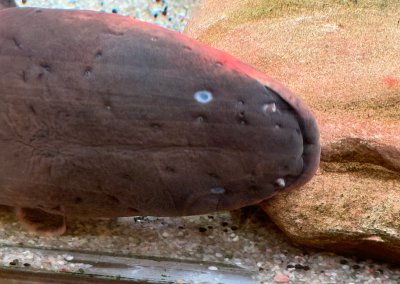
<point x="102" y="115"/>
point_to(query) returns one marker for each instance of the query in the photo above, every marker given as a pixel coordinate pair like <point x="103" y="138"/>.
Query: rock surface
<point x="7" y="4"/>
<point x="343" y="59"/>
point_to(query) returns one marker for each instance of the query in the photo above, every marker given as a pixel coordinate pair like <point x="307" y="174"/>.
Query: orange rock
<point x="344" y="61"/>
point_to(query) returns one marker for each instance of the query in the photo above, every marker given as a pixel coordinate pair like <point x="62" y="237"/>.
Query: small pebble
<point x="280" y="278"/>
<point x="212" y="268"/>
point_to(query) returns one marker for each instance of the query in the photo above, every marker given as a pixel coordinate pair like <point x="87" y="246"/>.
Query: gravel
<point x="170" y="14"/>
<point x="251" y="241"/>
<point x="248" y="240"/>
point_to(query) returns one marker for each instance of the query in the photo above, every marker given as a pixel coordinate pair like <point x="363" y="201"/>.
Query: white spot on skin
<point x="203" y="97"/>
<point x="212" y="268"/>
<point x="280" y="182"/>
<point x="269" y="108"/>
<point x="217" y="190"/>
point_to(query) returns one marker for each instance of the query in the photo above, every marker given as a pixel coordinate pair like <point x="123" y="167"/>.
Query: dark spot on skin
<point x="127" y="176"/>
<point x="114" y="11"/>
<point x="180" y="227"/>
<point x="38" y="11"/>
<point x="47" y="153"/>
<point x="169" y="169"/>
<point x="45" y="66"/>
<point x="33" y="109"/>
<point x="242" y="120"/>
<point x="210" y="227"/>
<point x="253" y="188"/>
<point x="234" y="228"/>
<point x="356" y="266"/>
<point x="78" y="200"/>
<point x="155" y="126"/>
<point x="187" y="47"/>
<point x="57" y="208"/>
<point x="62" y="113"/>
<point x="23" y="76"/>
<point x="133" y="210"/>
<point x="224" y="224"/>
<point x="88" y="71"/>
<point x="214" y="175"/>
<point x="210" y="217"/>
<point x="343" y="261"/>
<point x="202" y="230"/>
<point x="165" y="11"/>
<point x="99" y="54"/>
<point x="40" y="75"/>
<point x="111" y="32"/>
<point x="24" y="1"/>
<point x="241" y="113"/>
<point x="42" y="134"/>
<point x="17" y="44"/>
<point x="225" y="230"/>
<point x="113" y="199"/>
<point x="26" y="264"/>
<point x="13" y="263"/>
<point x="107" y="104"/>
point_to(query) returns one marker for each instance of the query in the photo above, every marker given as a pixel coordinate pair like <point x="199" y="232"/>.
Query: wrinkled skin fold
<point x="104" y="116"/>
